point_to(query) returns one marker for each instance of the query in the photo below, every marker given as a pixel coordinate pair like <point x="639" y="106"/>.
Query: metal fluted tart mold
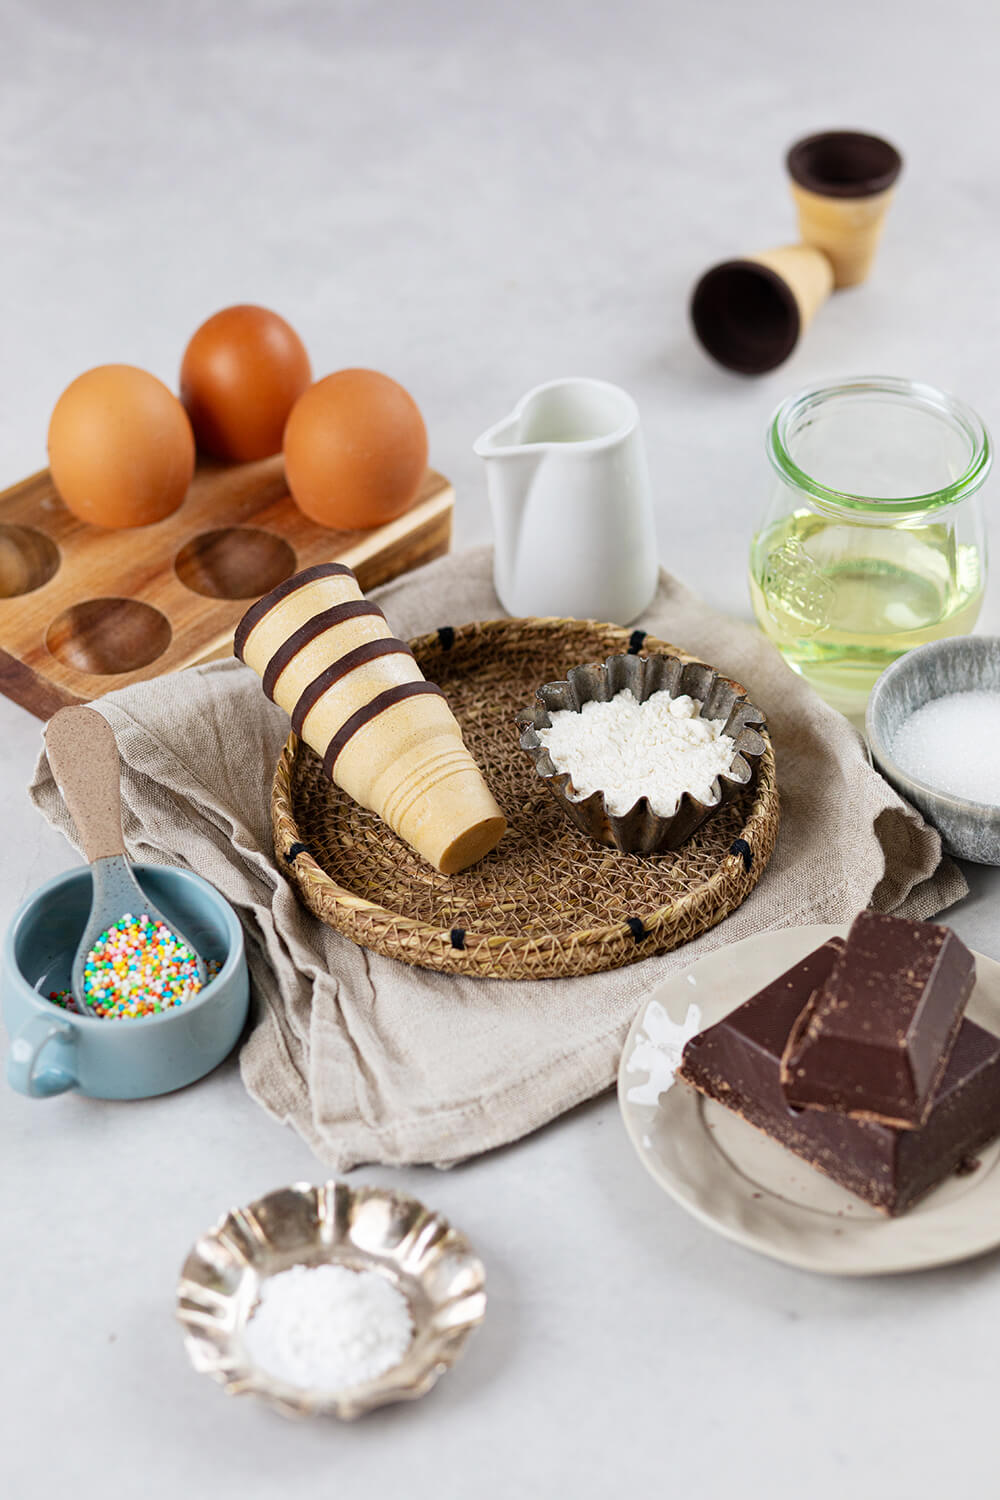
<point x="363" y="1228"/>
<point x="640" y="830"/>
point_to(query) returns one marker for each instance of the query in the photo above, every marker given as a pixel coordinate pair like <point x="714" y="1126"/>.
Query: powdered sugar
<point x="327" y="1327"/>
<point x="659" y="749"/>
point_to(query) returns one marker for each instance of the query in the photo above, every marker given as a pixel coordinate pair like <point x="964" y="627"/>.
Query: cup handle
<point x="27" y="1047"/>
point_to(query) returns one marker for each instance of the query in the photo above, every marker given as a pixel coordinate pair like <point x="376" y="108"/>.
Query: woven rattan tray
<point x="548" y="901"/>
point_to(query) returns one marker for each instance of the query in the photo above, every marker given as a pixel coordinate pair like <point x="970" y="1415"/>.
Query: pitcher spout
<point x="498" y="439"/>
<point x="578" y="413"/>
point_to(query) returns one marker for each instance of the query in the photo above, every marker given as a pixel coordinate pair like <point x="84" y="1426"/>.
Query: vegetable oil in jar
<point x="845" y="579"/>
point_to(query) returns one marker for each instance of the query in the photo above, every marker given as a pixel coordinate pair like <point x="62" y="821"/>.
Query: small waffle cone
<point x="847" y="230"/>
<point x="750" y="313"/>
<point x="326" y="654"/>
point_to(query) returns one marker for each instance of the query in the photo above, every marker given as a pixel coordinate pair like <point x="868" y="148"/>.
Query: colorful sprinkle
<point x="137" y="968"/>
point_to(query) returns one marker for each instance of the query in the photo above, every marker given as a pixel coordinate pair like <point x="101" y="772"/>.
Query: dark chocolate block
<point x="738" y="1063"/>
<point x="875" y="1038"/>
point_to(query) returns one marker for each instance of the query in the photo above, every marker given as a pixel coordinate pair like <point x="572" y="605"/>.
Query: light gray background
<point x="475" y="198"/>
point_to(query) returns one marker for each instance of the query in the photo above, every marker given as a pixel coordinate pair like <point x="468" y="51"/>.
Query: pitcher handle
<point x="26" y="1049"/>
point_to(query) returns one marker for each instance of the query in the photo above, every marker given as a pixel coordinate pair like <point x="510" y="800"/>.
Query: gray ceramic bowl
<point x="960" y="664"/>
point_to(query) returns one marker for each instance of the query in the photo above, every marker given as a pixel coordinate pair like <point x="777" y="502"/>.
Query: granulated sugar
<point x="327" y="1327"/>
<point x="659" y="749"/>
<point x="951" y="744"/>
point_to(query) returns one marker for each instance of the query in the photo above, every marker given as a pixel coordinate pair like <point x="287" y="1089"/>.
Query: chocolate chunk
<point x="738" y="1063"/>
<point x="875" y="1038"/>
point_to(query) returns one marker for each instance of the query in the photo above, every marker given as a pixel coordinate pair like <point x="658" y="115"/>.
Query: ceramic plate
<point x="748" y="1188"/>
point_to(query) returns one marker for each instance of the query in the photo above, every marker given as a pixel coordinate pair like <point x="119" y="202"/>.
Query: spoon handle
<point x="84" y="759"/>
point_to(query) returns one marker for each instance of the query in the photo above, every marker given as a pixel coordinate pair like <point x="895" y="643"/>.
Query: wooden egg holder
<point x="83" y="610"/>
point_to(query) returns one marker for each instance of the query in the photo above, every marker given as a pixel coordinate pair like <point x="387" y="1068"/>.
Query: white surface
<point x="743" y="1184"/>
<point x="477" y="198"/>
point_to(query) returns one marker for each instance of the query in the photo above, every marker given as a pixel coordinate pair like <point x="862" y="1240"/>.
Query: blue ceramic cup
<point x="53" y="1050"/>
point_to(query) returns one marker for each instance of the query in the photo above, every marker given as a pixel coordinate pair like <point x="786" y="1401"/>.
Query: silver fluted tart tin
<point x="640" y="830"/>
<point x="364" y="1228"/>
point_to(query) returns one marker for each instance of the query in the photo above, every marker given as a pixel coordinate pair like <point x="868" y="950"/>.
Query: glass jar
<point x="873" y="539"/>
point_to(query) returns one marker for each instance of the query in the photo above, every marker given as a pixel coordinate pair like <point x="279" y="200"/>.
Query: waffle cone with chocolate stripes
<point x="356" y="696"/>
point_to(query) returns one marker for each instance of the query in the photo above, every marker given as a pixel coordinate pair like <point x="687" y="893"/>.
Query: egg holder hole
<point x="237" y="562"/>
<point x="108" y="636"/>
<point x="28" y="559"/>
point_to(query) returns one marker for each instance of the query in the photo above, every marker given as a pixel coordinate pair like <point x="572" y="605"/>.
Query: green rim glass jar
<point x="873" y="539"/>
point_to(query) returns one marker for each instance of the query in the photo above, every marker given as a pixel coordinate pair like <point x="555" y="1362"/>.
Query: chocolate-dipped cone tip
<point x="745" y="316"/>
<point x="749" y="314"/>
<point x="844" y="164"/>
<point x="842" y="184"/>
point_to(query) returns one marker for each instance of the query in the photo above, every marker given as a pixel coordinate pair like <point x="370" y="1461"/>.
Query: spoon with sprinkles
<point x="130" y="961"/>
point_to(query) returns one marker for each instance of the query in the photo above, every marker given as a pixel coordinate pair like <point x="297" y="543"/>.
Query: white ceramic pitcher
<point x="572" y="512"/>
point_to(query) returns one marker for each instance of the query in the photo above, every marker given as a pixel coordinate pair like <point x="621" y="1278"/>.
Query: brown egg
<point x="240" y="377"/>
<point x="355" y="450"/>
<point x="121" y="447"/>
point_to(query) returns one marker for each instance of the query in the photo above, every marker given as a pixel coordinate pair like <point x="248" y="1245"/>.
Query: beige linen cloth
<point x="374" y="1061"/>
